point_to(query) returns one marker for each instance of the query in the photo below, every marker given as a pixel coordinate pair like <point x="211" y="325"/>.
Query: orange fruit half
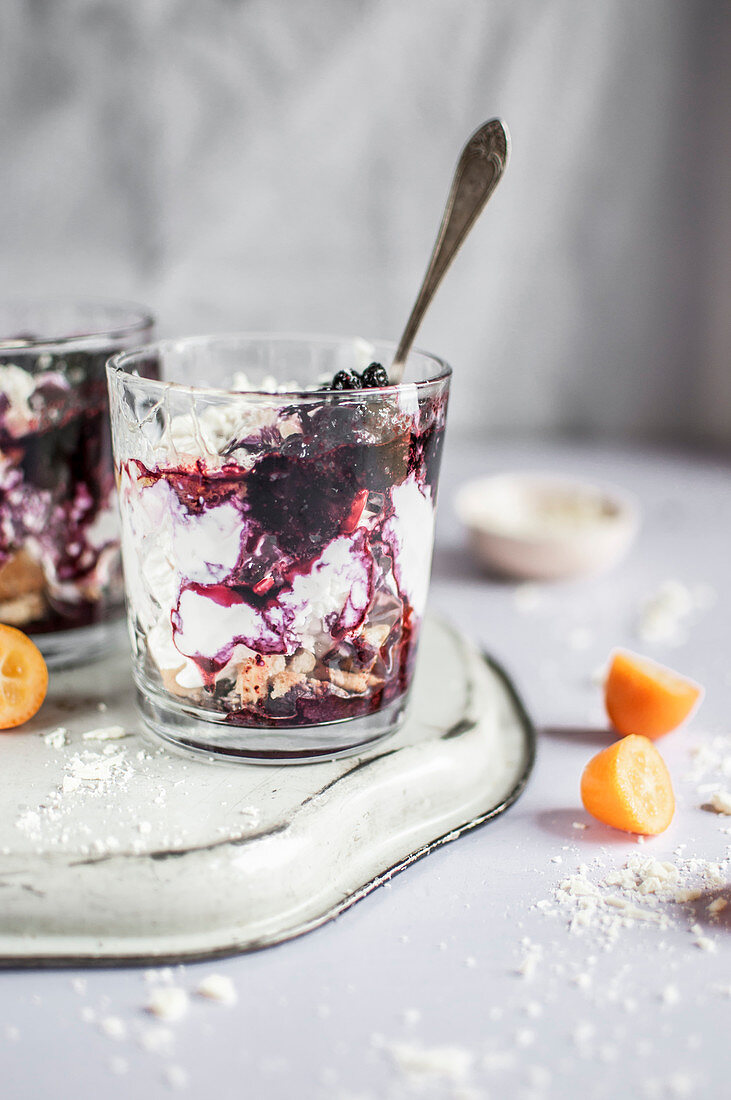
<point x="647" y="698"/>
<point x="23" y="677"/>
<point x="628" y="786"/>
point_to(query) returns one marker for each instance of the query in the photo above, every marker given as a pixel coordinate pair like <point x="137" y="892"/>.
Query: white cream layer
<point x="336" y="587"/>
<point x="166" y="548"/>
<point x="411" y="534"/>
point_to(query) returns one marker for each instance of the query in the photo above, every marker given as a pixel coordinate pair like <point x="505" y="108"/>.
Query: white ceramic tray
<point x="116" y="850"/>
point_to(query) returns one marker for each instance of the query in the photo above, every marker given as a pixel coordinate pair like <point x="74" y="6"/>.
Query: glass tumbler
<point x="277" y="538"/>
<point x="60" y="563"/>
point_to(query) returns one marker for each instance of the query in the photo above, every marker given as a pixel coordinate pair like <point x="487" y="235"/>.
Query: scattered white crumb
<point x="644" y="892"/>
<point x="580" y="638"/>
<point x="681" y="1085"/>
<point x="57" y="738"/>
<point x="105" y="733"/>
<point x="534" y="1009"/>
<point x="579" y="825"/>
<point x="176" y="1077"/>
<point x="12" y="1033"/>
<point x="29" y="822"/>
<point x="717" y="905"/>
<point x="496" y="1060"/>
<point x="721" y="802"/>
<point x="524" y="1037"/>
<point x="423" y="1064"/>
<point x="412" y="1016"/>
<point x="664" y="614"/>
<point x="470" y="962"/>
<point x="101" y="707"/>
<point x="163" y="976"/>
<point x="251" y="815"/>
<point x="168" y="1002"/>
<point x="118" y="1065"/>
<point x="583" y="981"/>
<point x="711" y="757"/>
<point x="94" y="767"/>
<point x="88" y="1014"/>
<point x="670" y="995"/>
<point x="556" y="859"/>
<point x="79" y="985"/>
<point x="217" y="987"/>
<point x="528" y="598"/>
<point x="583" y="1033"/>
<point x="598" y="674"/>
<point x="532" y="956"/>
<point x="113" y="1027"/>
<point x="685" y="894"/>
<point x="701" y="940"/>
<point x="157" y="1040"/>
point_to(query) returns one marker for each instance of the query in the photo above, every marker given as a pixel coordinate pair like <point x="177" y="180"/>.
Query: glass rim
<point x="119" y="365"/>
<point x="138" y="318"/>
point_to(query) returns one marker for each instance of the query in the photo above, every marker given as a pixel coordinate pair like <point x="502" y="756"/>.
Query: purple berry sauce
<point x="321" y="542"/>
<point x="59" y="550"/>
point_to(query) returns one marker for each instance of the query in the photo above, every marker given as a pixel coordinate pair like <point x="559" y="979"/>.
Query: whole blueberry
<point x="374" y="376"/>
<point x="347" y="380"/>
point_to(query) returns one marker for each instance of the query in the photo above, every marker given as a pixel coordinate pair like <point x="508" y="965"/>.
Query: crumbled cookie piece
<point x="22" y="610"/>
<point x="375" y="634"/>
<point x="303" y="661"/>
<point x="284" y="682"/>
<point x="354" y="682"/>
<point x="20" y="576"/>
<point x="254" y="674"/>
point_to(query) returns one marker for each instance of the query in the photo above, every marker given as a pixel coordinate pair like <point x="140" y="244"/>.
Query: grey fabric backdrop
<point x="271" y="164"/>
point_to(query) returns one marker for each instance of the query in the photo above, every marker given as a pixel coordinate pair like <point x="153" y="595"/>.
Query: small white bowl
<point x="544" y="527"/>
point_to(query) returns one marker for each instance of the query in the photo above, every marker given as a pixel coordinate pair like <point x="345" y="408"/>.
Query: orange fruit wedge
<point x="23" y="677"/>
<point x="646" y="698"/>
<point x="628" y="786"/>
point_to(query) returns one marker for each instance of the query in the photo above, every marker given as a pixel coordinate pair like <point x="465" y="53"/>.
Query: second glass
<point x="60" y="565"/>
<point x="277" y="538"/>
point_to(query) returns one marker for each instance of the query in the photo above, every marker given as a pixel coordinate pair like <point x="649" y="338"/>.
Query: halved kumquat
<point x="646" y="698"/>
<point x="23" y="678"/>
<point x="628" y="786"/>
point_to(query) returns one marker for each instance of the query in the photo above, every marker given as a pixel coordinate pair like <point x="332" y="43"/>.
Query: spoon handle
<point x="479" y="169"/>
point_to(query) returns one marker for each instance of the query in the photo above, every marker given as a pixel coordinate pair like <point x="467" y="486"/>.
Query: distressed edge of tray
<point x="68" y="961"/>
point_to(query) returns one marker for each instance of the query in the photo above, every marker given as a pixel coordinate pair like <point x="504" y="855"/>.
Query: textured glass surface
<point x="277" y="535"/>
<point x="60" y="563"/>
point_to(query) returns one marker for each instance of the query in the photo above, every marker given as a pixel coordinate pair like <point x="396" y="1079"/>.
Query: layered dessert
<point x="277" y="551"/>
<point x="59" y="540"/>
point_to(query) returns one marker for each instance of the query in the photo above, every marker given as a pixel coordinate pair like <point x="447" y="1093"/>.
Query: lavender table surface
<point x="463" y="977"/>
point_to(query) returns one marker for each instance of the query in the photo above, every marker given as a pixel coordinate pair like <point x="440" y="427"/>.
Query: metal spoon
<point x="479" y="170"/>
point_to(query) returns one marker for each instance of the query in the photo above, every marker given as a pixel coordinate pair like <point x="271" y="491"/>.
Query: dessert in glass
<point x="277" y="504"/>
<point x="60" y="562"/>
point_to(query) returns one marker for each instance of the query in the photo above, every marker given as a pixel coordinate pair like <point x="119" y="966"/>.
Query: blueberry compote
<point x="277" y="575"/>
<point x="59" y="540"/>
